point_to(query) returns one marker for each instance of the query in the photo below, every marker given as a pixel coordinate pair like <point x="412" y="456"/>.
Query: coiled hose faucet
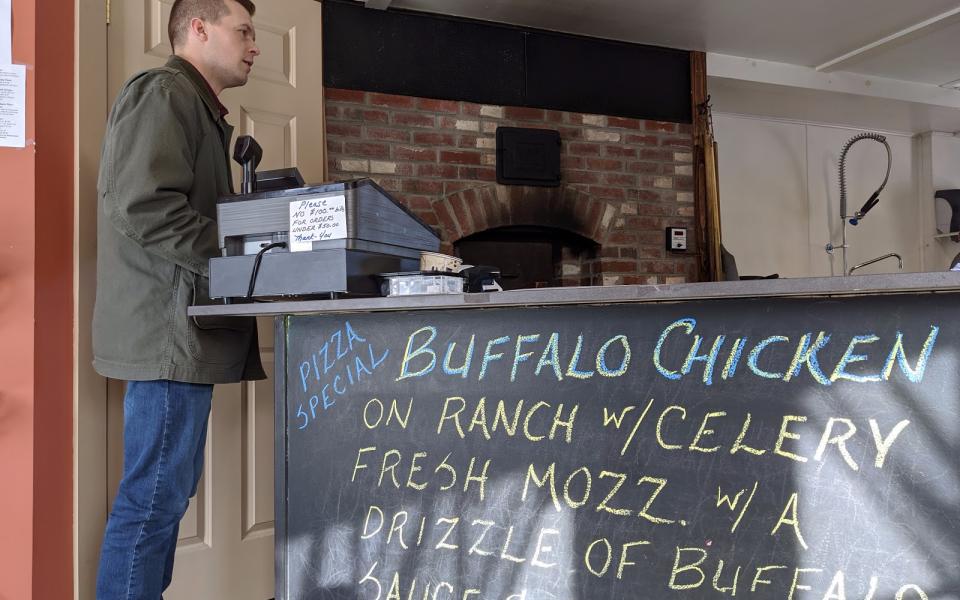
<point x="872" y="201"/>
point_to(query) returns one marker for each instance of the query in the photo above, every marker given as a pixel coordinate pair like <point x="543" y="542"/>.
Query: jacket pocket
<point x="200" y="296"/>
<point x="216" y="339"/>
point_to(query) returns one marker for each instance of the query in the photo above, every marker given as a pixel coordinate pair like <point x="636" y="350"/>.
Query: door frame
<point x="89" y="388"/>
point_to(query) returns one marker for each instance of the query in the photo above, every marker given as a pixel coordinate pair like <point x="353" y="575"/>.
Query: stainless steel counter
<point x="920" y="283"/>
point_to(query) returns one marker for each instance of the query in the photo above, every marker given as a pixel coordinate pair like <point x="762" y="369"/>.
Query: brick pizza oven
<point x="623" y="181"/>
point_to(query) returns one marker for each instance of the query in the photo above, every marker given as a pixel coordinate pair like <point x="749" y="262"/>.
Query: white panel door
<point x="226" y="539"/>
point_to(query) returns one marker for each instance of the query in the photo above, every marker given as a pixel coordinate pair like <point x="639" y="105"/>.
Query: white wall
<point x="780" y="197"/>
<point x="940" y="169"/>
<point x="764" y="209"/>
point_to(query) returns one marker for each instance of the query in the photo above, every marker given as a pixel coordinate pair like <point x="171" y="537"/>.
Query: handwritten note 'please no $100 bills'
<point x="317" y="219"/>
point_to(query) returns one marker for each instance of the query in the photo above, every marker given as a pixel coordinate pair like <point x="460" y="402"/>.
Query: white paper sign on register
<point x="317" y="219"/>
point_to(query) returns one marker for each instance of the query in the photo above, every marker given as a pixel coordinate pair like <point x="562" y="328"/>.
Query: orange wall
<point x="36" y="298"/>
<point x="17" y="230"/>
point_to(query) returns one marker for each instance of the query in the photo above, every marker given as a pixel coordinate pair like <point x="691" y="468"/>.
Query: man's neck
<point x="215" y="87"/>
<point x="206" y="82"/>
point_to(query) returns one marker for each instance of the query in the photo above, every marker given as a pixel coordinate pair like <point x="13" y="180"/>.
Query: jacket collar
<point x="217" y="110"/>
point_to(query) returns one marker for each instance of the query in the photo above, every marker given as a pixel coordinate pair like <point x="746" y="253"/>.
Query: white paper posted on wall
<point x="315" y="220"/>
<point x="13" y="85"/>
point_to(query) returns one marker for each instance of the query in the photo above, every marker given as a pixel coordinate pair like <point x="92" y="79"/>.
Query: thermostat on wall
<point x="676" y="239"/>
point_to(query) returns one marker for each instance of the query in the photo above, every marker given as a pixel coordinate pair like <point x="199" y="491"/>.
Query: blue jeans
<point x="164" y="431"/>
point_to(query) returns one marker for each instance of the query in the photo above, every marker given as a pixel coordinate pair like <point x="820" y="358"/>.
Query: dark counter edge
<point x="808" y="287"/>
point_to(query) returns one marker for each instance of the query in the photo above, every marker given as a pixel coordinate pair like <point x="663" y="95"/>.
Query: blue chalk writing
<point x="805" y="353"/>
<point x="343" y="360"/>
<point x="755" y="356"/>
<point x="687" y="324"/>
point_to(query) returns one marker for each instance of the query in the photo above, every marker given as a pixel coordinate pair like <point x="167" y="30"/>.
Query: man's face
<point x="231" y="47"/>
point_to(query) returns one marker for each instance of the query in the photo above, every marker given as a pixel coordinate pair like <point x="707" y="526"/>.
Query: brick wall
<point x="624" y="180"/>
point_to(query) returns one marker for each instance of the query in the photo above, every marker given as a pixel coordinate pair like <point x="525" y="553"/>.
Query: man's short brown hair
<point x="208" y="10"/>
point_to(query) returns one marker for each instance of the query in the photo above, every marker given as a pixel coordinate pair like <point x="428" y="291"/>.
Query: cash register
<point x="281" y="239"/>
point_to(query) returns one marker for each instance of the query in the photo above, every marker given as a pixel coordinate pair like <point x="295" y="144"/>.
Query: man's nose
<point x="255" y="50"/>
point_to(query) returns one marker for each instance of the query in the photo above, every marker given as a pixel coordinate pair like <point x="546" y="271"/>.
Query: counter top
<point x="945" y="281"/>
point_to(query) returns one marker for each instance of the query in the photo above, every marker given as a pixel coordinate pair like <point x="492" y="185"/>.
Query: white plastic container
<point x="415" y="284"/>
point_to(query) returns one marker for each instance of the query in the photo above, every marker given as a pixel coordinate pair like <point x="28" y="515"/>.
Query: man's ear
<point x="198" y="29"/>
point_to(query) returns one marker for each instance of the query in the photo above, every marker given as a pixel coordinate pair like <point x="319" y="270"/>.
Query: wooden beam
<point x="698" y="96"/>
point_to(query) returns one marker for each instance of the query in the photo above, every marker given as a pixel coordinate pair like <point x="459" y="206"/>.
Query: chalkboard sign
<point x="749" y="448"/>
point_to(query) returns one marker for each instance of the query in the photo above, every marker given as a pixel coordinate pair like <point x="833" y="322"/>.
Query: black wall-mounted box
<point x="528" y="156"/>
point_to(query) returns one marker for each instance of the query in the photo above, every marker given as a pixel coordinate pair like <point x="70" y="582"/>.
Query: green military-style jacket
<point x="164" y="163"/>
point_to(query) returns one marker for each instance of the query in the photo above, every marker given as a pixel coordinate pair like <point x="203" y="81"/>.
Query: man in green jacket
<point x="164" y="163"/>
